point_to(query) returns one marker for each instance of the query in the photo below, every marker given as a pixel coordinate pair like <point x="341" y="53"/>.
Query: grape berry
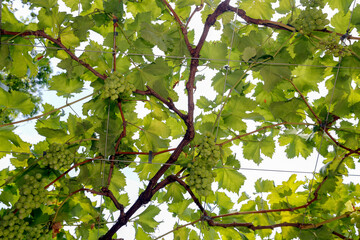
<point x="201" y="176"/>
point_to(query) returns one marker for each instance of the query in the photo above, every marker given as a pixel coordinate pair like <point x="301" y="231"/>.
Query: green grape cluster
<point x="117" y="86"/>
<point x="311" y="19"/>
<point x="201" y="175"/>
<point x="32" y="195"/>
<point x="58" y="156"/>
<point x="331" y="45"/>
<point x="355" y="218"/>
<point x="14" y="228"/>
<point x="37" y="232"/>
<point x="313" y="3"/>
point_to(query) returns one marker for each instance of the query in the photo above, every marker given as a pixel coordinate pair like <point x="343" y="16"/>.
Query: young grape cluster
<point x="331" y="45"/>
<point x="311" y="19"/>
<point x="14" y="228"/>
<point x="355" y="218"/>
<point x="58" y="156"/>
<point x="38" y="232"/>
<point x="32" y="195"/>
<point x="201" y="176"/>
<point x="117" y="86"/>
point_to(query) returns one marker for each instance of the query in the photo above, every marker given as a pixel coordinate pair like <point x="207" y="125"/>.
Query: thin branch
<point x="169" y="103"/>
<point x="181" y="24"/>
<point x="124" y="123"/>
<point x="41" y="33"/>
<point x="277" y="210"/>
<point x="277" y="25"/>
<point x="304" y="99"/>
<point x="145" y="153"/>
<point x="340" y="235"/>
<point x="196" y="200"/>
<point x="71" y="168"/>
<point x="111" y="169"/>
<point x="45" y="114"/>
<point x="197" y="9"/>
<point x="105" y="192"/>
<point x="339" y="144"/>
<point x="179" y="227"/>
<point x="262" y="128"/>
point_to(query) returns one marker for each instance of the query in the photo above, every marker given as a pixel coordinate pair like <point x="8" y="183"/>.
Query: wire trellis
<point x="186" y="57"/>
<point x="176" y="164"/>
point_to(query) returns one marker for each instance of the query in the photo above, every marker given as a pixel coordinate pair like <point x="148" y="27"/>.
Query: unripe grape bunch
<point x="201" y="175"/>
<point x="32" y="195"/>
<point x="14" y="228"/>
<point x="38" y="232"/>
<point x="311" y="19"/>
<point x="117" y="86"/>
<point x="58" y="156"/>
<point x="331" y="45"/>
<point x="355" y="218"/>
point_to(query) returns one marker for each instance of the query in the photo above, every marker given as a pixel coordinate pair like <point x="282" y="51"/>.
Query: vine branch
<point x="41" y="33"/>
<point x="169" y="103"/>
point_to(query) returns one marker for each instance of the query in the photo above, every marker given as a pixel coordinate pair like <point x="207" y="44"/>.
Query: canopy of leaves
<point x="277" y="87"/>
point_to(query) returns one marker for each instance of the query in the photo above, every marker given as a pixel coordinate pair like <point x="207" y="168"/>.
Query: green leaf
<point x="65" y="86"/>
<point x="285" y="6"/>
<point x="272" y="76"/>
<point x="115" y="7"/>
<point x="146" y="218"/>
<point x="229" y="179"/>
<point x="248" y="53"/>
<point x="215" y="51"/>
<point x="342" y="5"/>
<point x="175" y="193"/>
<point x="258" y="8"/>
<point x="307" y="79"/>
<point x="296" y="145"/>
<point x="16" y="100"/>
<point x="141" y="234"/>
<point x="264" y="185"/>
<point x="82" y="24"/>
<point x="9" y="195"/>
<point x="291" y="110"/>
<point x="356" y="16"/>
<point x="341" y="21"/>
